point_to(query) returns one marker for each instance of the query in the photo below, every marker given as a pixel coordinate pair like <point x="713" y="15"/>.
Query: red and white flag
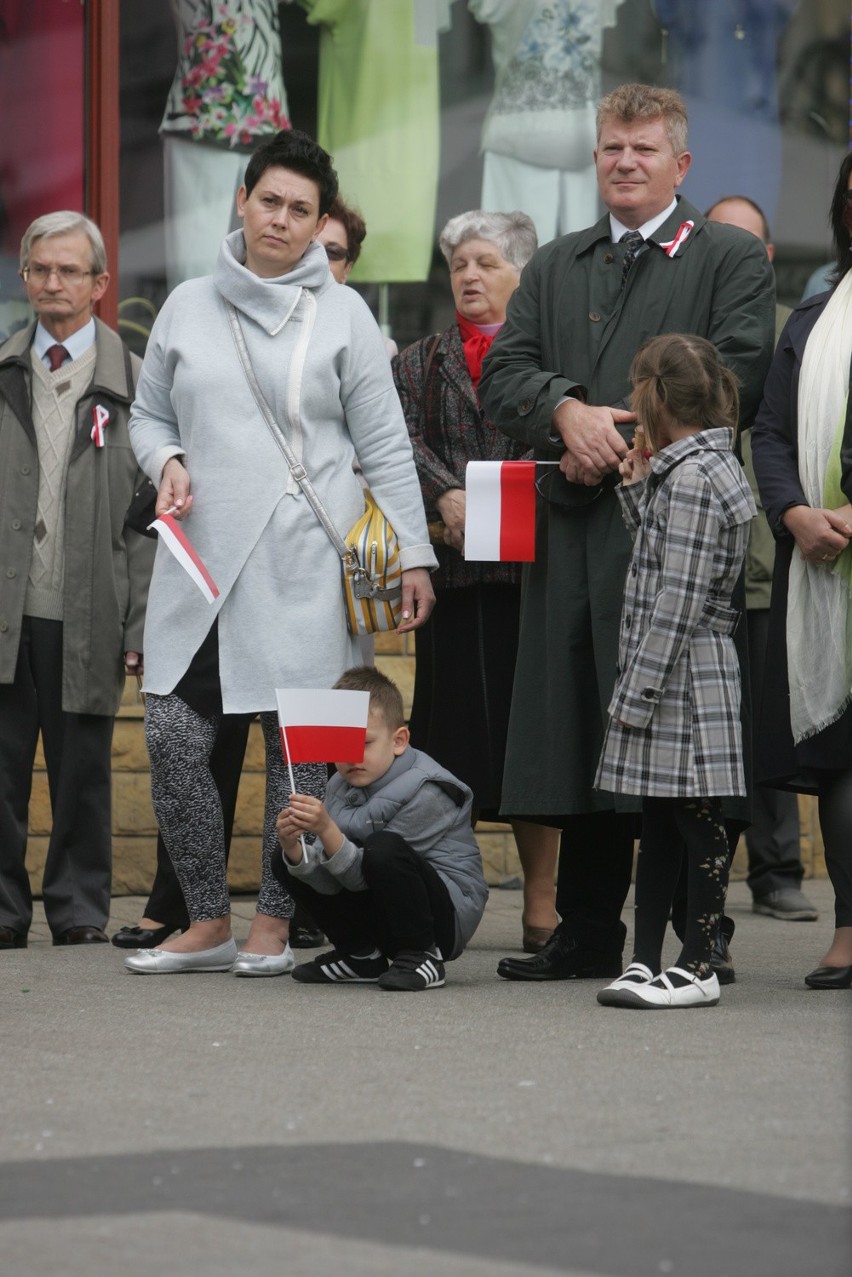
<point x="322" y="726"/>
<point x="500" y="511"/>
<point x="187" y="556"/>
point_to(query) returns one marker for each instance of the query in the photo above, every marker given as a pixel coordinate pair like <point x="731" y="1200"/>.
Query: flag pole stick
<point x="292" y="778"/>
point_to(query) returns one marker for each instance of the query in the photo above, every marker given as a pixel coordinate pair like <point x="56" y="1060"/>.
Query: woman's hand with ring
<point x="418" y="599"/>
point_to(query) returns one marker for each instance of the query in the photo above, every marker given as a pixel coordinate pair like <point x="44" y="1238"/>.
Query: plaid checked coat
<point x="674" y="728"/>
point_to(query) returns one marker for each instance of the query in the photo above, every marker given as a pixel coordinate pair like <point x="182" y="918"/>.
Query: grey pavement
<point x="201" y="1124"/>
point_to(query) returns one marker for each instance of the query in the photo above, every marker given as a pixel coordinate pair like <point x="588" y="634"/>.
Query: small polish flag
<point x="182" y="548"/>
<point x="100" y="418"/>
<point x="322" y="726"/>
<point x="500" y="511"/>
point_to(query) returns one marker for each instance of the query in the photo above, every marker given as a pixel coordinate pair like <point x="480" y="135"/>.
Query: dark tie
<point x="57" y="356"/>
<point x="633" y="243"/>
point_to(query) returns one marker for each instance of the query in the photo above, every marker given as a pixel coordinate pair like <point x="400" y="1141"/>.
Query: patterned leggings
<point x="667" y="825"/>
<point x="189" y="811"/>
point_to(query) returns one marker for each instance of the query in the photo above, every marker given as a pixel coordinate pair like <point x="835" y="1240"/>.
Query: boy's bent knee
<point x="382" y="848"/>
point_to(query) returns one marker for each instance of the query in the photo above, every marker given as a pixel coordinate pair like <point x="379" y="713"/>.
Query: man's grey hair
<point x="65" y="223"/>
<point x="632" y="102"/>
<point x="512" y="233"/>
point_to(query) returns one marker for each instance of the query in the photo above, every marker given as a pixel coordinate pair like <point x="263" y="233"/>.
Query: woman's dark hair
<point x="839" y="221"/>
<point x="680" y="377"/>
<point x="354" y="225"/>
<point x="293" y="149"/>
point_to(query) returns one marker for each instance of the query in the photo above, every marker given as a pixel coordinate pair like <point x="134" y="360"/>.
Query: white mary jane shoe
<point x="164" y="962"/>
<point x="663" y="993"/>
<point x="264" y="963"/>
<point x="619" y="993"/>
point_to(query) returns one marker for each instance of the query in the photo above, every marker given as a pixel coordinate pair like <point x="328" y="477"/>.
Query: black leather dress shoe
<point x="10" y="939"/>
<point x="142" y="937"/>
<point x="304" y="937"/>
<point x="829" y="978"/>
<point x="563" y="958"/>
<point x="81" y="935"/>
<point x="720" y="960"/>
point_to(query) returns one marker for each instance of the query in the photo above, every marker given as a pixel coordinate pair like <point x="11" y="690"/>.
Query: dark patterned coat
<point x="674" y="728"/>
<point x="448" y="428"/>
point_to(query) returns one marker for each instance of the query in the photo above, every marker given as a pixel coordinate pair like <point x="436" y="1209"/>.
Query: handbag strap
<point x="297" y="470"/>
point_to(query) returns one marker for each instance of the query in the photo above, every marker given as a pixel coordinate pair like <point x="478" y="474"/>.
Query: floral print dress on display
<point x="228" y="88"/>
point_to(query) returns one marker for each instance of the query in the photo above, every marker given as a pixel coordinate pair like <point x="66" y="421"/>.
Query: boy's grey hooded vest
<point x="456" y="858"/>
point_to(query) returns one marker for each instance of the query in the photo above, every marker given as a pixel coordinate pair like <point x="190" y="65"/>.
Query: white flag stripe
<point x="482" y="511"/>
<point x="320" y="707"/>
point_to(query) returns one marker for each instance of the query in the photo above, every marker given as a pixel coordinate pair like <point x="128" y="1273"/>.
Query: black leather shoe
<point x="829" y="978"/>
<point x="81" y="935"/>
<point x="304" y="932"/>
<point x="563" y="958"/>
<point x="142" y="937"/>
<point x="10" y="939"/>
<point x="304" y="937"/>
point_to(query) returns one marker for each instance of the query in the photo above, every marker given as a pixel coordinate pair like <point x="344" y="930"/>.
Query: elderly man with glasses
<point x="75" y="581"/>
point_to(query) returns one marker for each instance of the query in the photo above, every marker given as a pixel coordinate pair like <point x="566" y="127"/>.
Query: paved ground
<point x="213" y="1126"/>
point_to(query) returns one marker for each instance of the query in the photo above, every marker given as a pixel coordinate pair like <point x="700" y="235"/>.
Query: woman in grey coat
<point x="278" y="620"/>
<point x="674" y="731"/>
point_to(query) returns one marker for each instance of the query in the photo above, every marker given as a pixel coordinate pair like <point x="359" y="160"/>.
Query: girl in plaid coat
<point x="674" y="730"/>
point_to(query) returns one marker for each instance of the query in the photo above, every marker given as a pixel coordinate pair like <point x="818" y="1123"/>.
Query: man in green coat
<point x="557" y="377"/>
<point x="75" y="580"/>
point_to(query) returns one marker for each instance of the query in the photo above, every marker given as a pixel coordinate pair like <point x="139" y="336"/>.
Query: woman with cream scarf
<point x="802" y="447"/>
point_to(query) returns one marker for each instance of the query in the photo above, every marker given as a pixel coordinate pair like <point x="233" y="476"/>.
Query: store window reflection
<point x="766" y="81"/>
<point x="42" y="62"/>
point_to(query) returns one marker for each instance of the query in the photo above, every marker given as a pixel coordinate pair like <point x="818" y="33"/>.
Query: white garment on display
<point x="200" y="188"/>
<point x="540" y="126"/>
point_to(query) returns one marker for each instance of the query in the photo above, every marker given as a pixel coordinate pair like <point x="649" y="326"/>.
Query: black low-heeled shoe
<point x="829" y="978"/>
<point x="143" y="937"/>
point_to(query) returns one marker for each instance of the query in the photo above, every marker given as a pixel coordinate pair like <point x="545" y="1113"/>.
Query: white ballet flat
<point x="662" y="993"/>
<point x="263" y="963"/>
<point x="636" y="974"/>
<point x="163" y="962"/>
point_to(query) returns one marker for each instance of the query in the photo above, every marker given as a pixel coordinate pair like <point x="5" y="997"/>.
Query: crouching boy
<point x="394" y="878"/>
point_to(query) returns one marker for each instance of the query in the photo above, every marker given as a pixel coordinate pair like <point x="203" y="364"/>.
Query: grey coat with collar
<point x="571" y="328"/>
<point x="674" y="717"/>
<point x="321" y="364"/>
<point x="107" y="567"/>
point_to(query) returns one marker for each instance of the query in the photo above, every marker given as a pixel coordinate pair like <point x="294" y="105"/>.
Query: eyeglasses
<point x="335" y="253"/>
<point x="40" y="274"/>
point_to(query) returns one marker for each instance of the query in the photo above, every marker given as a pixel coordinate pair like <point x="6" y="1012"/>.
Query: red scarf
<point x="476" y="346"/>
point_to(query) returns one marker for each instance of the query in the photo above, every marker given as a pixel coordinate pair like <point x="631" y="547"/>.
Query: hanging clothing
<point x="379" y="115"/>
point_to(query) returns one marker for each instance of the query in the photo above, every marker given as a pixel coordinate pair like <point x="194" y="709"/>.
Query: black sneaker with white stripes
<point x="412" y="972"/>
<point x="341" y="968"/>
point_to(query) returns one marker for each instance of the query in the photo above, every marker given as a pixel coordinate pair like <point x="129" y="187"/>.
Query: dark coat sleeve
<point x="516" y="391"/>
<point x="774" y="436"/>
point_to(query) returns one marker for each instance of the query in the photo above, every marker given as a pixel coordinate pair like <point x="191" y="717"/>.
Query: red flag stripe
<point x="517" y="521"/>
<point x="323" y="744"/>
<point x="190" y="551"/>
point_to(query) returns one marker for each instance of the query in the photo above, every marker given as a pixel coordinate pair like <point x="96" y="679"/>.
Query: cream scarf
<point x="819" y="618"/>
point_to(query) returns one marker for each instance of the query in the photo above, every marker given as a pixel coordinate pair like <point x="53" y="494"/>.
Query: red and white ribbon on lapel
<point x="682" y="235"/>
<point x="100" y="417"/>
<point x="187" y="556"/>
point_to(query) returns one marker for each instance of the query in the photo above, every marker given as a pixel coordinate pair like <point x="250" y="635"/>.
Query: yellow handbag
<point x="372" y="574"/>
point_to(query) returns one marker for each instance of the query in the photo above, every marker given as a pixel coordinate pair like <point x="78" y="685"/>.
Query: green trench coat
<point x="571" y="328"/>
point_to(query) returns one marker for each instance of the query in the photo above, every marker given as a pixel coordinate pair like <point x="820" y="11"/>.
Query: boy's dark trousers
<point x="406" y="907"/>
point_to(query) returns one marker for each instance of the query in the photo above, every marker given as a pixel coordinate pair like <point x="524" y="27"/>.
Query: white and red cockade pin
<point x="100" y="418"/>
<point x="673" y="245"/>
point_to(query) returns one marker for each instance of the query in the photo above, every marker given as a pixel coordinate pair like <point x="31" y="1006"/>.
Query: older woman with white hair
<point x="466" y="656"/>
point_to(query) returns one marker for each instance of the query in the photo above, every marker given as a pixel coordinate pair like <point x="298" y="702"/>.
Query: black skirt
<point x="781" y="764"/>
<point x="463" y="686"/>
